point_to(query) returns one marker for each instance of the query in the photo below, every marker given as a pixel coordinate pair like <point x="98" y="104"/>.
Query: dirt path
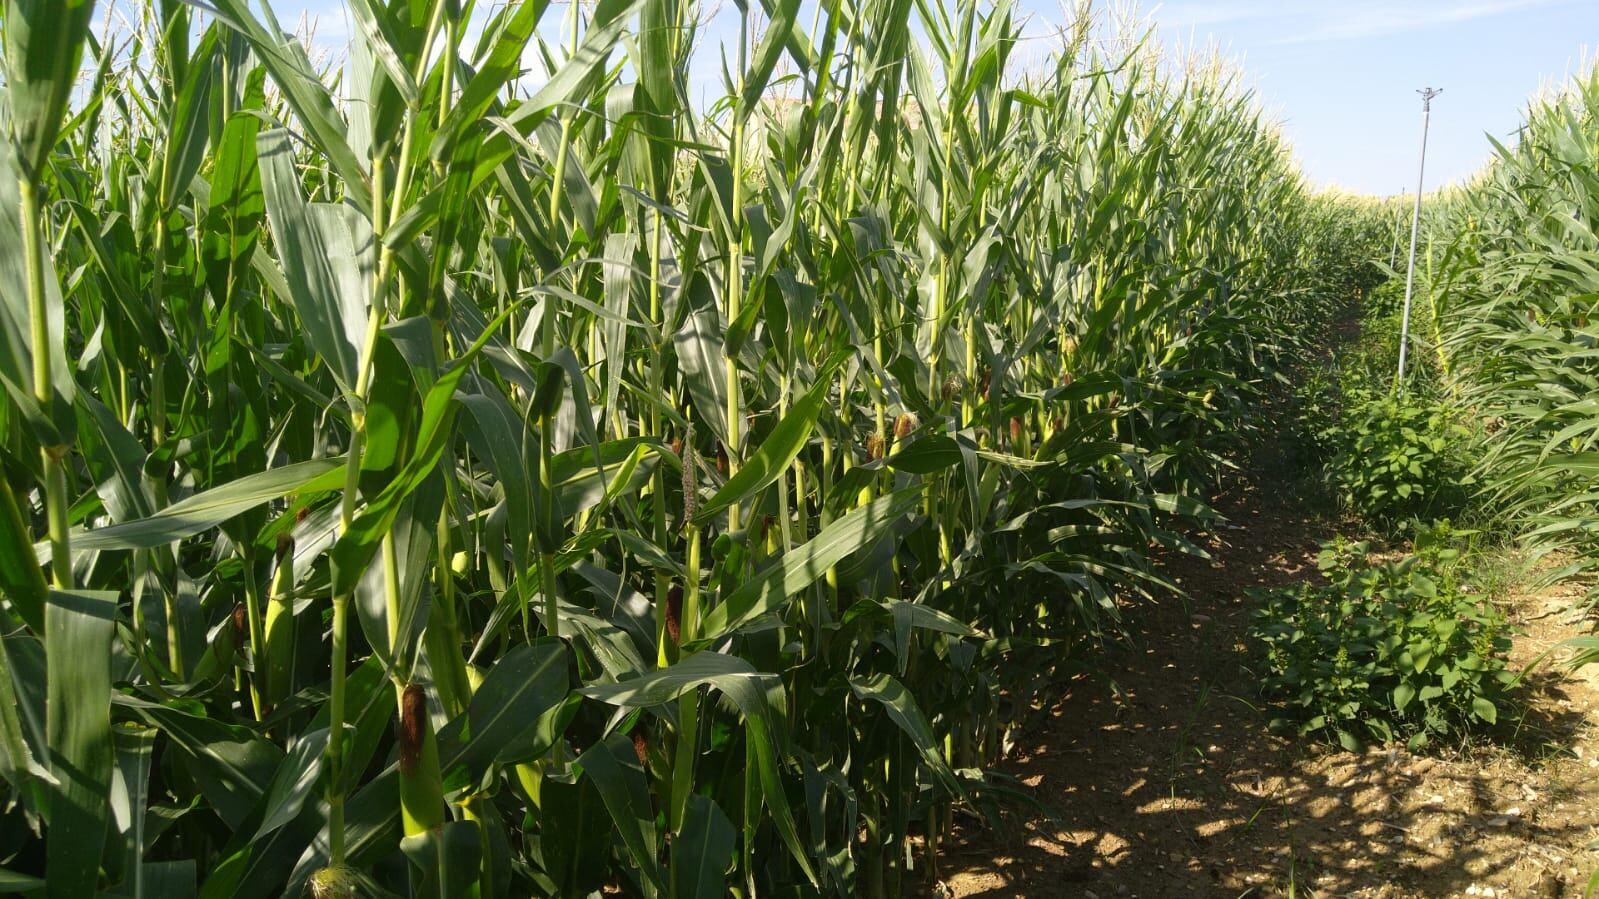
<point x="1167" y="782"/>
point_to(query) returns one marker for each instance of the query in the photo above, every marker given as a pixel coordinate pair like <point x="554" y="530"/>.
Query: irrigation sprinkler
<point x="1427" y="93"/>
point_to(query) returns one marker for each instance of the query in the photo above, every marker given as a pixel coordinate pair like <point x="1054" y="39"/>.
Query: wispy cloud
<point x="1313" y="21"/>
<point x="1379" y="19"/>
<point x="1182" y="15"/>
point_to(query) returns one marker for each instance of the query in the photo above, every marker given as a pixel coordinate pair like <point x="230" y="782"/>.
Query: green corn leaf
<point x="614" y="767"/>
<point x="237" y="206"/>
<point x="507" y="38"/>
<point x="701" y="357"/>
<point x="188" y="131"/>
<point x="605" y="25"/>
<point x="327" y="257"/>
<point x="582" y="482"/>
<point x="232" y="766"/>
<point x="28" y="779"/>
<point x="448" y="859"/>
<point x="310" y="99"/>
<point x="293" y="781"/>
<point x="415" y="530"/>
<point x="805" y="564"/>
<point x="22" y="581"/>
<point x="747" y="688"/>
<point x="116" y="460"/>
<point x="498" y="436"/>
<point x="43" y="51"/>
<point x="135" y="750"/>
<point x="600" y="39"/>
<point x="779" y="31"/>
<point x="523" y="685"/>
<point x="52" y="426"/>
<point x="576" y="844"/>
<point x="773" y="457"/>
<point x="77" y="645"/>
<point x="376" y="29"/>
<point x="207" y="509"/>
<point x="907" y="716"/>
<point x="14" y="884"/>
<point x="702" y="853"/>
<point x="369" y="714"/>
<point x="357" y="545"/>
<point x="101" y="240"/>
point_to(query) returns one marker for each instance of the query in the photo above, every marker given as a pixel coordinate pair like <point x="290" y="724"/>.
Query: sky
<point x="1341" y="75"/>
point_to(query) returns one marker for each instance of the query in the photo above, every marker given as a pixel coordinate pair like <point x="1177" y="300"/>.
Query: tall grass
<point x="454" y="483"/>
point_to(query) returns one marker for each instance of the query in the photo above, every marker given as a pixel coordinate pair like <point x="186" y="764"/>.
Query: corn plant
<point x="424" y="478"/>
<point x="1516" y="286"/>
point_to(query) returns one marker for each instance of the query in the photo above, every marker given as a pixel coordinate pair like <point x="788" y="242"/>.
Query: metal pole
<point x="1415" y="226"/>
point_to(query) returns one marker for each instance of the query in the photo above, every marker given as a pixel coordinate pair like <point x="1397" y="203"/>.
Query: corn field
<point x="1516" y="327"/>
<point x="421" y="478"/>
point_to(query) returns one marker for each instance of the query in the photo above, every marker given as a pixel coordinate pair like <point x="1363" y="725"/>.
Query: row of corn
<point x="483" y="466"/>
<point x="1507" y="313"/>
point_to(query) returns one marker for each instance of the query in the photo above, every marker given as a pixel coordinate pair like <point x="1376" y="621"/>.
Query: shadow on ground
<point x="1167" y="781"/>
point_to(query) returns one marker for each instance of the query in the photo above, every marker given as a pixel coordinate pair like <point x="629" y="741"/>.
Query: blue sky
<point x="1340" y="74"/>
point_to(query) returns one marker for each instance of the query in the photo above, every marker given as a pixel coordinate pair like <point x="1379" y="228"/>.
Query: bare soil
<point x="1165" y="781"/>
